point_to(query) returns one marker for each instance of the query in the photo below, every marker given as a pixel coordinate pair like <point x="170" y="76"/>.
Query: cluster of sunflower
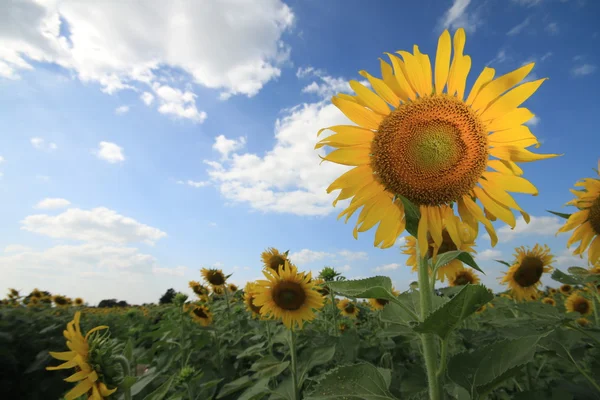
<point x="38" y="298"/>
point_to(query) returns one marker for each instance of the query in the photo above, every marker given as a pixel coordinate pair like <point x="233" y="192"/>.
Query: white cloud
<point x="457" y="16"/>
<point x="96" y="225"/>
<point x="17" y="248"/>
<point x="196" y="184"/>
<point x="177" y="271"/>
<point x="121" y="110"/>
<point x="353" y="255"/>
<point x="41" y="144"/>
<point x="2" y="159"/>
<point x="500" y="57"/>
<point x="387" y="267"/>
<point x="212" y="224"/>
<point x="582" y="70"/>
<point x="487" y="254"/>
<point x="552" y="28"/>
<point x="518" y="28"/>
<point x="306" y="256"/>
<point x="147" y="98"/>
<point x="566" y="259"/>
<point x="304" y="72"/>
<point x="533" y="121"/>
<point x="52" y="203"/>
<point x="539" y="226"/>
<point x="328" y="87"/>
<point x="110" y="152"/>
<point x="289" y="178"/>
<point x="345" y="268"/>
<point x="225" y="146"/>
<point x="545" y="56"/>
<point x="527" y="3"/>
<point x="178" y="104"/>
<point x="195" y="38"/>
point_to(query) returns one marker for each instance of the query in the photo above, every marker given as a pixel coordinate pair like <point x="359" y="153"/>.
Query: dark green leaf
<point x="504" y="262"/>
<point x="578" y="271"/>
<point x="559" y="214"/>
<point x="468" y="259"/>
<point x="161" y="391"/>
<point x="268" y="367"/>
<point x="312" y="357"/>
<point x="352" y="382"/>
<point x="396" y="314"/>
<point x="285" y="390"/>
<point x="378" y="287"/>
<point x="412" y="215"/>
<point x="561" y="277"/>
<point x="234" y="386"/>
<point x="252" y="350"/>
<point x="128" y="350"/>
<point x="256" y="391"/>
<point x="128" y="382"/>
<point x="143" y="381"/>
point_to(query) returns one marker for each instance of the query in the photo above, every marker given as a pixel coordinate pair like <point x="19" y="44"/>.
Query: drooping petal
<point x="575" y="220"/>
<point x="346" y="136"/>
<point x="498" y="194"/>
<point x="353" y="156"/>
<point x="79" y="390"/>
<point x="434" y="225"/>
<point x="351" y="177"/>
<point x="520" y="136"/>
<point x="510" y="183"/>
<point x="497" y="209"/>
<point x="476" y="212"/>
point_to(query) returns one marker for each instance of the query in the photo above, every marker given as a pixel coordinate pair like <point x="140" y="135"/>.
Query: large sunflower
<point x="463" y="277"/>
<point x="465" y="236"/>
<point x="524" y="276"/>
<point x="287" y="295"/>
<point x="433" y="147"/>
<point x="61" y="301"/>
<point x="348" y="308"/>
<point x="272" y="258"/>
<point x="586" y="220"/>
<point x="201" y="314"/>
<point x="79" y="358"/>
<point x="578" y="303"/>
<point x="213" y="276"/>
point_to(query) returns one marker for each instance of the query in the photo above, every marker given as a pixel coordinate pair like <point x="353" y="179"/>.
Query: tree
<point x="108" y="303"/>
<point x="167" y="297"/>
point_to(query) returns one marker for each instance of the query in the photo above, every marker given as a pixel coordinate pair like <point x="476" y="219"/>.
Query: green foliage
<point x="360" y="381"/>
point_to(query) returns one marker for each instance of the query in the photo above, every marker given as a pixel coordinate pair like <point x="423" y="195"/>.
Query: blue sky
<point x="179" y="136"/>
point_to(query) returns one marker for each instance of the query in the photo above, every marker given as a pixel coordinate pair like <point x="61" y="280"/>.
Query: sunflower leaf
<point x="578" y="271"/>
<point x="360" y="381"/>
<point x="313" y="357"/>
<point x="268" y="367"/>
<point x="162" y="390"/>
<point x="503" y="262"/>
<point x="235" y="386"/>
<point x="447" y="317"/>
<point x="412" y="215"/>
<point x="559" y="214"/>
<point x="561" y="277"/>
<point x="378" y="287"/>
<point x="445" y="258"/>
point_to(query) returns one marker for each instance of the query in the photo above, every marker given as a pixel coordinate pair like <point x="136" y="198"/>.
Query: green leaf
<point x="578" y="271"/>
<point x="561" y="277"/>
<point x="161" y="391"/>
<point x="504" y="262"/>
<point x="412" y="215"/>
<point x="312" y="357"/>
<point x="256" y="391"/>
<point x="360" y="381"/>
<point x="234" y="386"/>
<point x="128" y="382"/>
<point x="445" y="258"/>
<point x="128" y="350"/>
<point x="285" y="390"/>
<point x="144" y="381"/>
<point x="252" y="351"/>
<point x="396" y="314"/>
<point x="378" y="287"/>
<point x="268" y="367"/>
<point x="559" y="214"/>
<point x="485" y="366"/>
<point x="447" y="317"/>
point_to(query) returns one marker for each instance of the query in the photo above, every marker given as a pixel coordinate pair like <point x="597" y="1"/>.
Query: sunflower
<point x="321" y="287"/>
<point x="78" y="301"/>
<point x="552" y="291"/>
<point x="433" y="147"/>
<point x="378" y="304"/>
<point x="36" y="293"/>
<point x="218" y="290"/>
<point x="33" y="302"/>
<point x="577" y="303"/>
<point x="288" y="295"/>
<point x="463" y="277"/>
<point x="13" y="292"/>
<point x="566" y="289"/>
<point x="348" y="308"/>
<point x="198" y="288"/>
<point x="272" y="258"/>
<point x="586" y="221"/>
<point x="583" y="322"/>
<point x="232" y="288"/>
<point x="549" y="300"/>
<point x="343" y="326"/>
<point x="79" y="358"/>
<point x="61" y="301"/>
<point x="200" y="314"/>
<point x="249" y="296"/>
<point x="523" y="277"/>
<point x="213" y="276"/>
<point x="481" y="309"/>
<point x="506" y="296"/>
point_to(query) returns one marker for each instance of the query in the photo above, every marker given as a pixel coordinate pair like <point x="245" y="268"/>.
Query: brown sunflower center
<point x="349" y="308"/>
<point x="382" y="302"/>
<point x="432" y="151"/>
<point x="255" y="309"/>
<point x="275" y="261"/>
<point x="447" y="244"/>
<point x="463" y="278"/>
<point x="289" y="295"/>
<point x="565" y="288"/>
<point x="215" y="278"/>
<point x="200" y="313"/>
<point x="594" y="216"/>
<point x="582" y="306"/>
<point x="529" y="272"/>
<point x="60" y="301"/>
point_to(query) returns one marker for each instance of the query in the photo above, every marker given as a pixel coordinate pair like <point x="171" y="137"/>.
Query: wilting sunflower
<point x="586" y="220"/>
<point x="549" y="300"/>
<point x="272" y="258"/>
<point x="249" y="296"/>
<point x="213" y="276"/>
<point x="198" y="288"/>
<point x="79" y="358"/>
<point x="566" y="289"/>
<point x="523" y="277"/>
<point x="36" y="293"/>
<point x="348" y="308"/>
<point x="378" y="304"/>
<point x="583" y="322"/>
<point x="463" y="277"/>
<point x="433" y="147"/>
<point x="218" y="290"/>
<point x="288" y="295"/>
<point x="13" y="293"/>
<point x="577" y="303"/>
<point x="61" y="301"/>
<point x="78" y="301"/>
<point x="200" y="314"/>
<point x="232" y="288"/>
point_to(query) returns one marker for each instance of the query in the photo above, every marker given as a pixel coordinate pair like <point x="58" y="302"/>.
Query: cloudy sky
<point x="141" y="141"/>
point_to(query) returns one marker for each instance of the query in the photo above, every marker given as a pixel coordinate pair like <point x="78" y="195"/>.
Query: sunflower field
<point x="424" y="152"/>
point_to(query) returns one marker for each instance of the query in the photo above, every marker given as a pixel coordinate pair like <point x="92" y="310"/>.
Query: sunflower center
<point x="349" y="308"/>
<point x="463" y="278"/>
<point x="529" y="272"/>
<point x="382" y="302"/>
<point x="446" y="246"/>
<point x="565" y="288"/>
<point x="199" y="312"/>
<point x="594" y="216"/>
<point x="582" y="306"/>
<point x="431" y="151"/>
<point x="275" y="262"/>
<point x="216" y="278"/>
<point x="289" y="295"/>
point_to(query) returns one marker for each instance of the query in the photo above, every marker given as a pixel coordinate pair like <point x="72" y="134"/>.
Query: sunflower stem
<point x="335" y="324"/>
<point x="427" y="339"/>
<point x="589" y="378"/>
<point x="294" y="364"/>
<point x="126" y="372"/>
<point x="268" y="337"/>
<point x="227" y="301"/>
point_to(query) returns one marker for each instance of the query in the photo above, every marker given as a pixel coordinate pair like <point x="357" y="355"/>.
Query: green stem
<point x="428" y="340"/>
<point x="268" y="337"/>
<point x="126" y="372"/>
<point x="589" y="378"/>
<point x="529" y="380"/>
<point x="594" y="303"/>
<point x="537" y="374"/>
<point x="227" y="301"/>
<point x="335" y="323"/>
<point x="584" y="332"/>
<point x="294" y="364"/>
<point x="443" y="355"/>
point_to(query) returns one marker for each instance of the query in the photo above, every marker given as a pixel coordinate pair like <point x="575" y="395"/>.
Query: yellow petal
<point x="434" y="225"/>
<point x="423" y="59"/>
<point x="505" y="167"/>
<point x="63" y="356"/>
<point x="587" y="237"/>
<point x="510" y="183"/>
<point x="454" y="76"/>
<point x="510" y="120"/>
<point x="400" y="75"/>
<point x="500" y="85"/>
<point x="574" y="220"/>
<point x="347" y="136"/>
<point x="578" y="233"/>
<point x="526" y="217"/>
<point x="104" y="391"/>
<point x="390" y="80"/>
<point x="498" y="210"/>
<point x="463" y="66"/>
<point x="369" y="98"/>
<point x="358" y="114"/>
<point x="351" y="178"/>
<point x="69" y="364"/>
<point x="347" y="97"/>
<point x="483" y="79"/>
<point x="518" y="154"/>
<point x="474" y="210"/>
<point x="79" y="390"/>
<point x="422" y="233"/>
<point x="594" y="251"/>
<point x="511" y="100"/>
<point x="77" y="376"/>
<point x="376" y="214"/>
<point x="520" y="136"/>
<point x="442" y="61"/>
<point x="383" y="90"/>
<point x="451" y="224"/>
<point x="414" y="72"/>
<point x="498" y="194"/>
<point x="349" y="156"/>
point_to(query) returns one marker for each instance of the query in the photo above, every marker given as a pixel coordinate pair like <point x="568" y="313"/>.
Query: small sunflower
<point x="343" y="326"/>
<point x="198" y="288"/>
<point x="481" y="309"/>
<point x="549" y="300"/>
<point x="249" y="296"/>
<point x="583" y="322"/>
<point x="534" y="295"/>
<point x="33" y="302"/>
<point x="232" y="288"/>
<point x="61" y="301"/>
<point x="79" y="358"/>
<point x="213" y="276"/>
<point x="321" y="287"/>
<point x="46" y="299"/>
<point x="78" y="301"/>
<point x="523" y="277"/>
<point x="36" y="293"/>
<point x="586" y="221"/>
<point x="348" y="308"/>
<point x="13" y="292"/>
<point x="218" y="290"/>
<point x="463" y="277"/>
<point x="272" y="258"/>
<point x="433" y="147"/>
<point x="288" y="295"/>
<point x="200" y="314"/>
<point x="464" y="236"/>
<point x="566" y="289"/>
<point x="379" y="304"/>
<point x="552" y="291"/>
<point x="578" y="303"/>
